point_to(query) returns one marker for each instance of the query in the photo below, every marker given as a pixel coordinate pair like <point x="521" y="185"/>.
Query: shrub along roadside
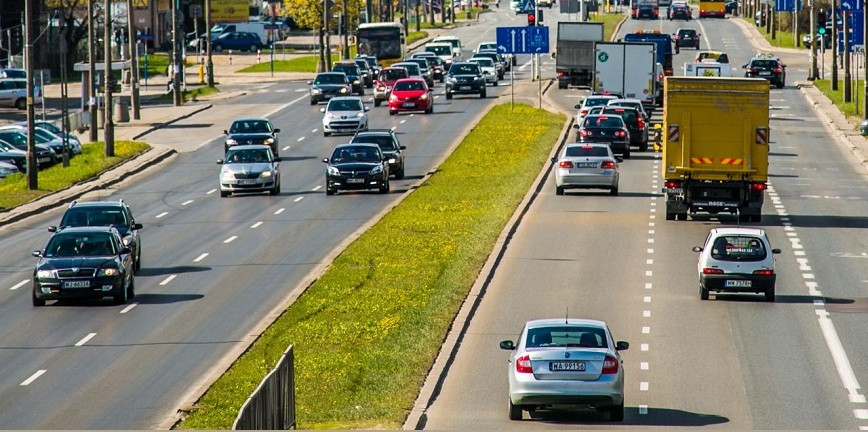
<point x="89" y="164"/>
<point x="367" y="331"/>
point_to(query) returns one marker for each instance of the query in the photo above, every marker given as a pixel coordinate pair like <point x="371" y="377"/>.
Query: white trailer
<point x="626" y="68"/>
<point x="708" y="68"/>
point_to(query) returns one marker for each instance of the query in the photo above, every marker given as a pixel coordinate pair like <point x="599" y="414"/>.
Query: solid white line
<point x="646" y="330"/>
<point x="19" y="285"/>
<point x="839" y="356"/>
<point x="279" y="211"/>
<point x="643" y="365"/>
<point x="644" y="347"/>
<point x="256" y="225"/>
<point x="298" y="199"/>
<point x="230" y="239"/>
<point x="168" y="279"/>
<point x="643" y="409"/>
<point x="129" y="308"/>
<point x="186" y="202"/>
<point x="85" y="339"/>
<point x="200" y="257"/>
<point x="33" y="377"/>
<point x="162" y="214"/>
<point x="643" y="386"/>
<point x="646" y="314"/>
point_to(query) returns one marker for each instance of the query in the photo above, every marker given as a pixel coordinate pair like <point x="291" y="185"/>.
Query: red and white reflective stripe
<point x="673" y="133"/>
<point x="762" y="135"/>
<point x="731" y="161"/>
<point x="701" y="161"/>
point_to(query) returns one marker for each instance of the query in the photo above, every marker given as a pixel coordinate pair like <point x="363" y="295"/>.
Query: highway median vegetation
<point x="88" y="165"/>
<point x="366" y="333"/>
<point x="610" y="22"/>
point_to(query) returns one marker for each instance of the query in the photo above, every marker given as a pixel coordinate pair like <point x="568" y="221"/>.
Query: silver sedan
<point x="587" y="165"/>
<point x="249" y="168"/>
<point x="565" y="363"/>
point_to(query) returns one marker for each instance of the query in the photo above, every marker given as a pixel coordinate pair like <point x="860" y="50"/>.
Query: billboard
<point x="226" y="11"/>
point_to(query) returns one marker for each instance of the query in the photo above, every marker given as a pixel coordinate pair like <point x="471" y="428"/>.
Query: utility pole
<point x="29" y="19"/>
<point x="814" y="73"/>
<point x="64" y="95"/>
<point x="796" y="25"/>
<point x="346" y="30"/>
<point x="327" y="57"/>
<point x="91" y="54"/>
<point x="177" y="40"/>
<point x="848" y="94"/>
<point x="134" y="61"/>
<point x="834" y="17"/>
<point x="208" y="43"/>
<point x="773" y="15"/>
<point x="109" y="128"/>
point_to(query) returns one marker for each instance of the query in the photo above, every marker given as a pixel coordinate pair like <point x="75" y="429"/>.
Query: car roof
<point x="588" y="144"/>
<point x="630" y="100"/>
<point x="118" y="203"/>
<point x="375" y="132"/>
<point x="250" y="119"/>
<point x="346" y="98"/>
<point x="739" y="230"/>
<point x="90" y="228"/>
<point x="550" y="322"/>
<point x="411" y="79"/>
<point x="357" y="145"/>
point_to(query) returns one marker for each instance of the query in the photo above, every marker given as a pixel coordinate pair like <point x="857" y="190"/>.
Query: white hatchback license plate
<point x="76" y="284"/>
<point x="247" y="181"/>
<point x="355" y="180"/>
<point x="567" y="366"/>
<point x="738" y="284"/>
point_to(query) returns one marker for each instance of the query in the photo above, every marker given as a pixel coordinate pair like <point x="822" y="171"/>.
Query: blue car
<point x="236" y="41"/>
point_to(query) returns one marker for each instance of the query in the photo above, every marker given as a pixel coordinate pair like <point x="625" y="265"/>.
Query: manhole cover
<point x="857" y="305"/>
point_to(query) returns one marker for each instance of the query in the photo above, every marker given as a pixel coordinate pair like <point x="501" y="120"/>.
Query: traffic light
<point x="117" y="36"/>
<point x="126" y="35"/>
<point x="531" y="19"/>
<point x="821" y="24"/>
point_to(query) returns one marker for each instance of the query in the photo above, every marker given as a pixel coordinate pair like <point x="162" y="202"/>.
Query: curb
<point x="164" y="124"/>
<point x="811" y="93"/>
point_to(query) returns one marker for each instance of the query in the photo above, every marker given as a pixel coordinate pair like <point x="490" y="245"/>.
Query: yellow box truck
<point x="715" y="146"/>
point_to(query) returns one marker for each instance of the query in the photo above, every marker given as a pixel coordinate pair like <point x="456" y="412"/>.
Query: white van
<point x="457" y="49"/>
<point x="257" y="28"/>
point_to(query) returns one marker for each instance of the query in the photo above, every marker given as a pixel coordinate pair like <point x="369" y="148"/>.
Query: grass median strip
<point x="367" y="331"/>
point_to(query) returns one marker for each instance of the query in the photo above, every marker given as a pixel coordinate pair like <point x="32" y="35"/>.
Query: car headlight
<point x="108" y="272"/>
<point x="451" y="79"/>
<point x="127" y="240"/>
<point x="423" y="97"/>
<point x="343" y="90"/>
<point x="360" y="115"/>
<point x="227" y="176"/>
<point x="377" y="170"/>
<point x="355" y="82"/>
<point x="269" y="141"/>
<point x="45" y="274"/>
<point x="392" y="97"/>
<point x="265" y="174"/>
<point x="392" y="160"/>
<point x="315" y="91"/>
<point x="231" y="141"/>
<point x="332" y="171"/>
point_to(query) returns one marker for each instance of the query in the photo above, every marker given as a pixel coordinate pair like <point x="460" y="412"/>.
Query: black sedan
<point x="84" y="263"/>
<point x="356" y="167"/>
<point x="465" y="78"/>
<point x="353" y="74"/>
<point x="251" y="131"/>
<point x="388" y="142"/>
<point x="679" y="12"/>
<point x="609" y="129"/>
<point x="328" y="85"/>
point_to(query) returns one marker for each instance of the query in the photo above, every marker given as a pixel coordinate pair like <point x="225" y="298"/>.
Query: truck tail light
<point x="522" y="364"/>
<point x="712" y="271"/>
<point x="765" y="272"/>
<point x="671" y="184"/>
<point x="607" y="165"/>
<point x="758" y="186"/>
<point x="565" y="164"/>
<point x="610" y="365"/>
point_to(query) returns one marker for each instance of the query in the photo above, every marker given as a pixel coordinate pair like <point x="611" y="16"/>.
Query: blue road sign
<point x="857" y="36"/>
<point x="786" y="5"/>
<point x="527" y="6"/>
<point x="523" y="40"/>
<point x="852" y="5"/>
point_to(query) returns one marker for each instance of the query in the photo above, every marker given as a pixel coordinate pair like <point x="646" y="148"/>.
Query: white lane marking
<point x="653" y="203"/>
<point x="788" y="227"/>
<point x="300" y="139"/>
<point x="785" y="219"/>
<point x="648" y="273"/>
<point x="643" y="409"/>
<point x="796" y="243"/>
<point x="647" y="299"/>
<point x="643" y="365"/>
<point x="650" y="251"/>
<point x="168" y="279"/>
<point x="19" y="285"/>
<point x="650" y="240"/>
<point x="230" y="239"/>
<point x="643" y="347"/>
<point x="186" y="202"/>
<point x="650" y="224"/>
<point x="317" y="188"/>
<point x="256" y="225"/>
<point x="812" y="288"/>
<point x="807" y="275"/>
<point x="792" y="234"/>
<point x="298" y="199"/>
<point x="279" y="211"/>
<point x="649" y="261"/>
<point x="646" y="330"/>
<point x="653" y="210"/>
<point x="314" y="130"/>
<point x="646" y="314"/>
<point x="839" y="356"/>
<point x="289" y="147"/>
<point x="403" y="121"/>
<point x="651" y="217"/>
<point x="803" y="264"/>
<point x="648" y="285"/>
<point x="85" y="339"/>
<point x="201" y="257"/>
<point x="129" y="308"/>
<point x="33" y="377"/>
<point x="650" y="231"/>
<point x="643" y="386"/>
<point x="210" y="191"/>
<point x="162" y="214"/>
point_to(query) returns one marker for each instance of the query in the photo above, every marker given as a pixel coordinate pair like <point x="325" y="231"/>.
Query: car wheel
<point x="121" y="298"/>
<point x="312" y="101"/>
<point x="703" y="293"/>
<point x="131" y="290"/>
<point x="448" y="95"/>
<point x="224" y="194"/>
<point x="275" y="190"/>
<point x="21" y="104"/>
<point x="670" y="216"/>
<point x="377" y="102"/>
<point x="681" y="216"/>
<point x="442" y="80"/>
<point x="495" y="83"/>
<point x="614" y="191"/>
<point x="330" y="191"/>
<point x="325" y="134"/>
<point x="515" y="411"/>
<point x="616" y="413"/>
<point x="37" y="302"/>
<point x="430" y="109"/>
<point x="400" y="174"/>
<point x="482" y="93"/>
<point x="770" y="295"/>
<point x="254" y="48"/>
<point x="362" y="91"/>
<point x="643" y="147"/>
<point x="392" y="112"/>
<point x="385" y="188"/>
<point x="218" y="48"/>
<point x="138" y="265"/>
<point x="559" y="190"/>
<point x="780" y="85"/>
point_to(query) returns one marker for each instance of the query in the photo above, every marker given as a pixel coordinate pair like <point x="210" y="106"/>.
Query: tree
<point x="308" y="13"/>
<point x="72" y="16"/>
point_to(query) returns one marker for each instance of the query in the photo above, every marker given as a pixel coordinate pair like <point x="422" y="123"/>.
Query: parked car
<point x="236" y="41"/>
<point x="249" y="168"/>
<point x="356" y="167"/>
<point x="411" y="94"/>
<point x="346" y="114"/>
<point x="389" y="144"/>
<point x="45" y="156"/>
<point x="7" y="168"/>
<point x="565" y="363"/>
<point x="464" y="78"/>
<point x="106" y="213"/>
<point x="84" y="262"/>
<point x="327" y="85"/>
<point x="586" y="166"/>
<point x="736" y="260"/>
<point x="252" y="130"/>
<point x="13" y="93"/>
<point x="385" y="80"/>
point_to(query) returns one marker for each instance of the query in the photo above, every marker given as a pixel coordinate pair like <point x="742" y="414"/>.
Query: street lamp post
<point x="134" y="61"/>
<point x="91" y="54"/>
<point x="32" y="179"/>
<point x="109" y="128"/>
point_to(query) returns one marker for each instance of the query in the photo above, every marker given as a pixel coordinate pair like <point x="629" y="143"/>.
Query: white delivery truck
<point x="708" y="68"/>
<point x="628" y="69"/>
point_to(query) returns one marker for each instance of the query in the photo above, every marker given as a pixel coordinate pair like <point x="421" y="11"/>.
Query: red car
<point x="411" y="94"/>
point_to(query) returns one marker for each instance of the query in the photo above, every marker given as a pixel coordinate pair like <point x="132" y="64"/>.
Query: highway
<point x="734" y="362"/>
<point x="213" y="269"/>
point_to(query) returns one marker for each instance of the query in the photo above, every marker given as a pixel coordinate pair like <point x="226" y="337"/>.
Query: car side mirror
<point x="325" y="160"/>
<point x="277" y="131"/>
<point x="52" y="229"/>
<point x="697" y="249"/>
<point x="322" y="110"/>
<point x="776" y="251"/>
<point x="367" y="108"/>
<point x="621" y="345"/>
<point x="219" y="161"/>
<point x="554" y="159"/>
<point x="403" y="147"/>
<point x="37" y="253"/>
<point x="137" y="226"/>
<point x="744" y="66"/>
<point x="225" y="132"/>
<point x="576" y="126"/>
<point x="554" y="55"/>
<point x="310" y="83"/>
<point x="507" y="345"/>
<point x="619" y="159"/>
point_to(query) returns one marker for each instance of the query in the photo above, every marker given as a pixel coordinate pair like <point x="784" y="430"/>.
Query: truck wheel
<point x="703" y="293"/>
<point x="670" y="216"/>
<point x="377" y="102"/>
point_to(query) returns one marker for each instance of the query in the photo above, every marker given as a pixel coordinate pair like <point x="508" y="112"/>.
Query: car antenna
<point x="567" y="317"/>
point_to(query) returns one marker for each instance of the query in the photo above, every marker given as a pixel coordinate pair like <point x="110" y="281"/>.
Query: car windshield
<point x="464" y="69"/>
<point x="90" y="244"/>
<point x="409" y="85"/>
<point x="567" y="336"/>
<point x="345" y="105"/>
<point x="603" y="122"/>
<point x="250" y="126"/>
<point x="738" y="248"/>
<point x="485" y="62"/>
<point x="355" y="154"/>
<point x="440" y="49"/>
<point x="487" y="46"/>
<point x="629" y="116"/>
<point x="94" y="216"/>
<point x="330" y="79"/>
<point x="687" y="32"/>
<point x="349" y="70"/>
<point x="247" y="156"/>
<point x="49" y="127"/>
<point x="17" y="140"/>
<point x="586" y="151"/>
<point x="393" y="74"/>
<point x="412" y="68"/>
<point x="589" y="102"/>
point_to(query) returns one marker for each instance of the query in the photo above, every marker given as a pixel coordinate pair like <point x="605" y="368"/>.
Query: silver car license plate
<point x="355" y="180"/>
<point x="586" y="165"/>
<point x="567" y="366"/>
<point x="76" y="284"/>
<point x="738" y="284"/>
<point x="247" y="181"/>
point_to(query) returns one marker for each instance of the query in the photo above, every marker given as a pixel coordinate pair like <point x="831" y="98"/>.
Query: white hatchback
<point x="737" y="260"/>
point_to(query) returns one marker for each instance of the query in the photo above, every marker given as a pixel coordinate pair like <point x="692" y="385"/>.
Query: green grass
<point x="609" y="20"/>
<point x="367" y="331"/>
<point x="852" y="110"/>
<point x="90" y="163"/>
<point x="190" y="95"/>
<point x="415" y="36"/>
<point x="783" y="39"/>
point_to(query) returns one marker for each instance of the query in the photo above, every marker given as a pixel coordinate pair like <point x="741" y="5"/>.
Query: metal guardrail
<point x="272" y="404"/>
